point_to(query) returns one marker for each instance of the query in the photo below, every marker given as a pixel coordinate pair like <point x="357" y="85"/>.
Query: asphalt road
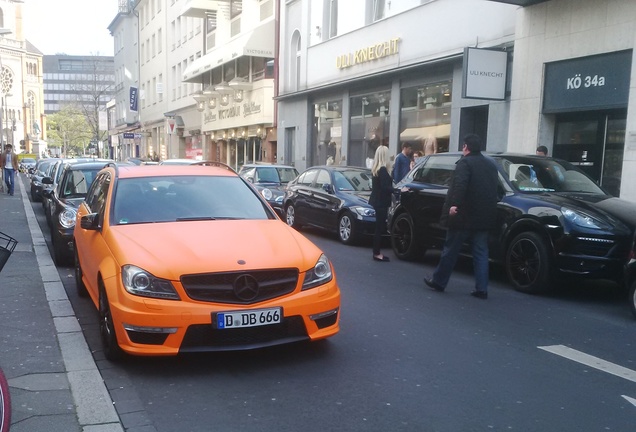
<point x="406" y="359"/>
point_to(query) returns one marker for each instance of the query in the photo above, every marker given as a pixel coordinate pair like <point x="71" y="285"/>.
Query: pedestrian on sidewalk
<point x="380" y="199"/>
<point x="402" y="162"/>
<point x="469" y="212"/>
<point x="9" y="166"/>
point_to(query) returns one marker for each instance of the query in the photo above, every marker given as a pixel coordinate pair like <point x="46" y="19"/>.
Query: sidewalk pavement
<point x="54" y="382"/>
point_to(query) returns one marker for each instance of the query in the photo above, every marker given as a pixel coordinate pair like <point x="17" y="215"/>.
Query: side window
<point x="307" y="178"/>
<point x="436" y="171"/>
<point x="249" y="174"/>
<point x="323" y="179"/>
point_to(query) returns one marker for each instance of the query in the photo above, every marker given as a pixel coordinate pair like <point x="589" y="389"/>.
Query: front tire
<point x="346" y="229"/>
<point x="632" y="298"/>
<point x="79" y="283"/>
<point x="403" y="240"/>
<point x="528" y="263"/>
<point x="112" y="350"/>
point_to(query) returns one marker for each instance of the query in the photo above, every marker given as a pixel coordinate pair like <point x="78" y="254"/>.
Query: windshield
<point x="185" y="198"/>
<point x="77" y="182"/>
<point x="274" y="175"/>
<point x="546" y="175"/>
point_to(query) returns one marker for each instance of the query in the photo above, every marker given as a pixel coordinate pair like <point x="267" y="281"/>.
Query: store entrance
<point x="594" y="141"/>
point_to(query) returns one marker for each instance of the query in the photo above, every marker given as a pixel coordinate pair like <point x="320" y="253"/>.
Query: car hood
<point x="623" y="210"/>
<point x="72" y="202"/>
<point x="169" y="250"/>
<point x="359" y="198"/>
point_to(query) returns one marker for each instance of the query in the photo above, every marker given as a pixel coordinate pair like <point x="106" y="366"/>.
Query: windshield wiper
<point x="195" y="218"/>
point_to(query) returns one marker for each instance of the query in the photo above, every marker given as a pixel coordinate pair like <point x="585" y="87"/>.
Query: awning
<point x="256" y="43"/>
<point x="199" y="8"/>
<point x="421" y="133"/>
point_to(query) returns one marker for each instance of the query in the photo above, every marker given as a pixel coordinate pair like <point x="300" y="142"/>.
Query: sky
<point x="73" y="27"/>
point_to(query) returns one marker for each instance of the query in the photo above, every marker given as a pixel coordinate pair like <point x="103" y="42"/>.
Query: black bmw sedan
<point x="335" y="198"/>
<point x="553" y="220"/>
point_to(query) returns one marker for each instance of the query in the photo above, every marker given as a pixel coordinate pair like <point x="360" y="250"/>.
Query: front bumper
<point x="148" y="326"/>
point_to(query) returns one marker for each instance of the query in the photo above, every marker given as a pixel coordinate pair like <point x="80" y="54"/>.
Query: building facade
<point x="573" y="87"/>
<point x="236" y="74"/>
<point x="22" y="120"/>
<point x="358" y="74"/>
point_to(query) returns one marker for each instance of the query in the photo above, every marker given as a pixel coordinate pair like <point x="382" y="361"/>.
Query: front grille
<point x="204" y="337"/>
<point x="220" y="287"/>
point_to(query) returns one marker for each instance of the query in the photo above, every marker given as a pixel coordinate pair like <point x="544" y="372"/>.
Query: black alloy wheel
<point x="79" y="283"/>
<point x="112" y="350"/>
<point x="62" y="258"/>
<point x="346" y="229"/>
<point x="528" y="263"/>
<point x="403" y="241"/>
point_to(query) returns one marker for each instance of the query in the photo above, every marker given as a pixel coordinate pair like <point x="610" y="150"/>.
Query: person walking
<point x="380" y="199"/>
<point x="469" y="212"/>
<point x="402" y="162"/>
<point x="9" y="166"/>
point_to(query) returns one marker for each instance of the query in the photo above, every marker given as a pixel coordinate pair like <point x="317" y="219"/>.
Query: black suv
<point x="552" y="220"/>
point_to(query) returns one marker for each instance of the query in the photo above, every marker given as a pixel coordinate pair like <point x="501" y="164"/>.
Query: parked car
<point x="270" y="180"/>
<point x="189" y="259"/>
<point x="553" y="220"/>
<point x="42" y="170"/>
<point x="52" y="181"/>
<point x="74" y="182"/>
<point x="27" y="165"/>
<point x="335" y="198"/>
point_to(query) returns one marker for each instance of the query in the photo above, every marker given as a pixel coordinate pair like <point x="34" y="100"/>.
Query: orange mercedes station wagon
<point x="183" y="258"/>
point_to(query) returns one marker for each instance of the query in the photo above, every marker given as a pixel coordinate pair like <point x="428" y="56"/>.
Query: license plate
<point x="249" y="318"/>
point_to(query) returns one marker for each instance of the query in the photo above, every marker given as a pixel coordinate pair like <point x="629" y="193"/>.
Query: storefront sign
<point x="235" y="111"/>
<point x="250" y="108"/>
<point x="209" y="117"/>
<point x="596" y="82"/>
<point x="367" y="54"/>
<point x="484" y="74"/>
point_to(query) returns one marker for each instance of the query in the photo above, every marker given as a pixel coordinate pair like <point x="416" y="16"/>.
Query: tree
<point x="69" y="130"/>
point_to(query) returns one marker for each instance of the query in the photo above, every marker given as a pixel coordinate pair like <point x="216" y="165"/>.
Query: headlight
<point x="319" y="275"/>
<point x="139" y="282"/>
<point x="363" y="211"/>
<point x="67" y="218"/>
<point x="267" y="194"/>
<point x="583" y="220"/>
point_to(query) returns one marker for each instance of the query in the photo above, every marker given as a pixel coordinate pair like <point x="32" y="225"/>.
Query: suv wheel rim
<point x="525" y="262"/>
<point x="290" y="216"/>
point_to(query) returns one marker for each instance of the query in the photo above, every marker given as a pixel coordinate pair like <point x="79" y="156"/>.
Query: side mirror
<point x="90" y="221"/>
<point x="327" y="188"/>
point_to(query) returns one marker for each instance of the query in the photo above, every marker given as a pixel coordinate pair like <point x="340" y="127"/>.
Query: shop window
<point x="425" y="116"/>
<point x="327" y="133"/>
<point x="243" y="67"/>
<point x="369" y="126"/>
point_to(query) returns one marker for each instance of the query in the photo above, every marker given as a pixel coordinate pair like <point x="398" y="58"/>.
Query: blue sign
<point x="133" y="98"/>
<point x="129" y="135"/>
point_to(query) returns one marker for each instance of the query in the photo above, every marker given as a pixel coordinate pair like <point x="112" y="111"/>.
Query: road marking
<point x="591" y="361"/>
<point x="630" y="400"/>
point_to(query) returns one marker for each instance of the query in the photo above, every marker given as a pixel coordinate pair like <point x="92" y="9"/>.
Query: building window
<point x="425" y="116"/>
<point x="210" y="21"/>
<point x="378" y="9"/>
<point x="369" y="126"/>
<point x="327" y="133"/>
<point x="236" y="7"/>
<point x="333" y="18"/>
<point x="294" y="63"/>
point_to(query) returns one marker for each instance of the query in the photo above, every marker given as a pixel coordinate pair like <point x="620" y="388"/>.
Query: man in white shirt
<point x="9" y="165"/>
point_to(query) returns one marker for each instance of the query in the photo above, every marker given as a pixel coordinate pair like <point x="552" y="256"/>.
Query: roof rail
<point x="215" y="164"/>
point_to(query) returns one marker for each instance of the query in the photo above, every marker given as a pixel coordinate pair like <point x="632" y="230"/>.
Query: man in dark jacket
<point x="469" y="212"/>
